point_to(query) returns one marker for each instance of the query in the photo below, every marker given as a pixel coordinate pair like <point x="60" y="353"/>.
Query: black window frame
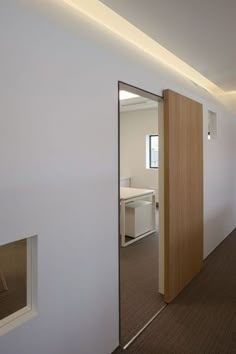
<point x="150" y="151"/>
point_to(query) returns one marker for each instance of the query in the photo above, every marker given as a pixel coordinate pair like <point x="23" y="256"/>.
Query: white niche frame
<point x="30" y="310"/>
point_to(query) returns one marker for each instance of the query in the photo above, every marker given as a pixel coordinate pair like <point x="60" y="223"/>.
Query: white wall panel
<point x="59" y="168"/>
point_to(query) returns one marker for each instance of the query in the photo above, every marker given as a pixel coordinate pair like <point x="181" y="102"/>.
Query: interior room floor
<point x="140" y="299"/>
<point x="202" y="319"/>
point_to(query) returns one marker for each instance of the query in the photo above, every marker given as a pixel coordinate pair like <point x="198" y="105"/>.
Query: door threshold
<point x="143" y="328"/>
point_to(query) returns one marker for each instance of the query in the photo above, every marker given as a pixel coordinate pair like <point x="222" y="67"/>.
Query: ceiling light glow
<point x="125" y="95"/>
<point x="103" y="15"/>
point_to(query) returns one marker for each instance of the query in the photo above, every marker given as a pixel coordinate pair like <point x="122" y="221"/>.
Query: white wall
<point x="58" y="92"/>
<point x="219" y="187"/>
<point x="134" y="127"/>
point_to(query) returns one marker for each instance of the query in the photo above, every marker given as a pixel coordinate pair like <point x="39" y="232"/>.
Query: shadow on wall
<point x="217" y="227"/>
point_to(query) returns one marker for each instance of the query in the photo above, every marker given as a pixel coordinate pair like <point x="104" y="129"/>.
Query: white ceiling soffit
<point x="201" y="33"/>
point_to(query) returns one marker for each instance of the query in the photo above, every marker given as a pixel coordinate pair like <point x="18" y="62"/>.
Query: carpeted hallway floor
<point x="202" y="319"/>
<point x="140" y="299"/>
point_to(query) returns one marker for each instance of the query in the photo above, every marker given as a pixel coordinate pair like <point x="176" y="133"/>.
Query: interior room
<point x="140" y="299"/>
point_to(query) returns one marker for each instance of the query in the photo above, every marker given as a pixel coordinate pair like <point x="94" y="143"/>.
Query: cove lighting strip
<point x="102" y="14"/>
<point x="229" y="92"/>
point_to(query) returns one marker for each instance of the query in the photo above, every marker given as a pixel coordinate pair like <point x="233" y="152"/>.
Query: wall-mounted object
<point x="212" y="125"/>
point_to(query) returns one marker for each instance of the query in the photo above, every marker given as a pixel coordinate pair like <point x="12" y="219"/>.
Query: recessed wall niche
<point x="212" y="125"/>
<point x="18" y="279"/>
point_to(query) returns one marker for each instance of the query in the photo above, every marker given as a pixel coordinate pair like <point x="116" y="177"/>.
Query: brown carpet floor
<point x="140" y="299"/>
<point x="13" y="263"/>
<point x="202" y="319"/>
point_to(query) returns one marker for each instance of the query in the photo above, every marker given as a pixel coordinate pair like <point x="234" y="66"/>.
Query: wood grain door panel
<point x="183" y="150"/>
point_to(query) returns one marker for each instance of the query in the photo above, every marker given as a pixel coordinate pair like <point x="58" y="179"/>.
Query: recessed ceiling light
<point x="125" y="95"/>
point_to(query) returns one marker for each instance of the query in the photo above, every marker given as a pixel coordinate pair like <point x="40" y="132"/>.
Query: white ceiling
<point x="137" y="103"/>
<point x="200" y="32"/>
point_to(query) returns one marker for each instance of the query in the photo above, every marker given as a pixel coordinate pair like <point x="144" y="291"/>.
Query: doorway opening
<point x="141" y="210"/>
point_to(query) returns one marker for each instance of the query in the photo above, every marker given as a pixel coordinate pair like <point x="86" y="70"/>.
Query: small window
<point x="17" y="282"/>
<point x="153" y="151"/>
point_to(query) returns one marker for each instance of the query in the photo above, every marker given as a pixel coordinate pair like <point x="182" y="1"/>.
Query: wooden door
<point x="183" y="168"/>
